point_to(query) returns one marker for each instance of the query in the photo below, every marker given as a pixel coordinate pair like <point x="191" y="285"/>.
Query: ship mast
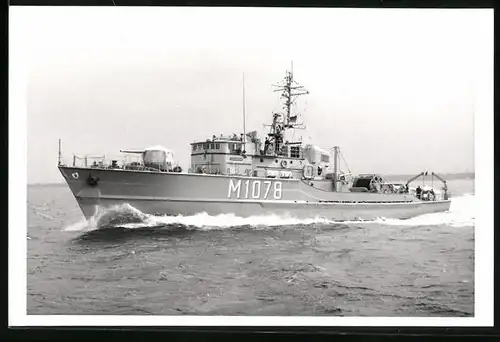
<point x="290" y="91"/>
<point x="244" y="117"/>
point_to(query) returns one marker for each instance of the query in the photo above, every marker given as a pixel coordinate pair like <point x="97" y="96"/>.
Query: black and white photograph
<point x="286" y="166"/>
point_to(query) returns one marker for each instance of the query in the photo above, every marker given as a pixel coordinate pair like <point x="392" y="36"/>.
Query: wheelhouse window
<point x="295" y="151"/>
<point x="325" y="158"/>
<point x="234" y="147"/>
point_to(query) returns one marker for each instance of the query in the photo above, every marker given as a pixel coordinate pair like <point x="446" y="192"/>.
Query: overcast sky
<point x="397" y="90"/>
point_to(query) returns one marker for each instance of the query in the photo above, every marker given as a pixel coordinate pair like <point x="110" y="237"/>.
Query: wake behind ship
<point x="247" y="176"/>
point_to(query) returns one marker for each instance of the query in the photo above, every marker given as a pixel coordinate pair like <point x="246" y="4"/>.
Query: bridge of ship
<point x="247" y="157"/>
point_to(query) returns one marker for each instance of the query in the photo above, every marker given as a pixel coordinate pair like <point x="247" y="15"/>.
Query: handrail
<point x="101" y="162"/>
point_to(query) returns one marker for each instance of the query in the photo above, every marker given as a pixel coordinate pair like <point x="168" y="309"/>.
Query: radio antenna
<point x="244" y="117"/>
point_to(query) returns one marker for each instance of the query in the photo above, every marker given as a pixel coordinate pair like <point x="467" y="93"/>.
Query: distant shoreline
<point x="446" y="176"/>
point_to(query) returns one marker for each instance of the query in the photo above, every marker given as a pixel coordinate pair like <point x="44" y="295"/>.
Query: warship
<point x="246" y="175"/>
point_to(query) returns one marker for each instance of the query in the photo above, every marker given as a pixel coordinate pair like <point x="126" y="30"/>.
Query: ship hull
<point x="162" y="193"/>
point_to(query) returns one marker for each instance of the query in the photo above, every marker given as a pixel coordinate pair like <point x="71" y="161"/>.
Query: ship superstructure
<point x="271" y="157"/>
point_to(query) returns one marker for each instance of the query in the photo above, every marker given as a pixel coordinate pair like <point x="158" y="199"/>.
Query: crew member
<point x="266" y="145"/>
<point x="418" y="191"/>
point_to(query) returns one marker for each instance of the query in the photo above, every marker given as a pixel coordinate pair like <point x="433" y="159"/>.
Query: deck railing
<point x="127" y="162"/>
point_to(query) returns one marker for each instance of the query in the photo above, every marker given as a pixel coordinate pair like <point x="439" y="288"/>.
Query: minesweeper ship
<point x="247" y="176"/>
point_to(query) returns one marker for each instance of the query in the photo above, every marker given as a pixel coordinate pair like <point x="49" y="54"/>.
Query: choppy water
<point x="226" y="265"/>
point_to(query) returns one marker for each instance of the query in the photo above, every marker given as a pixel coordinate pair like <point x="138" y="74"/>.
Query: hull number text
<point x="254" y="189"/>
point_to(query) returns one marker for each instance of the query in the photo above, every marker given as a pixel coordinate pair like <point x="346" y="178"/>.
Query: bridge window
<point x="325" y="158"/>
<point x="295" y="151"/>
<point x="234" y="147"/>
<point x="217" y="146"/>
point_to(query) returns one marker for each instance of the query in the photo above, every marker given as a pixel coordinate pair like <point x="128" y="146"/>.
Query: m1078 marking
<point x="255" y="189"/>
